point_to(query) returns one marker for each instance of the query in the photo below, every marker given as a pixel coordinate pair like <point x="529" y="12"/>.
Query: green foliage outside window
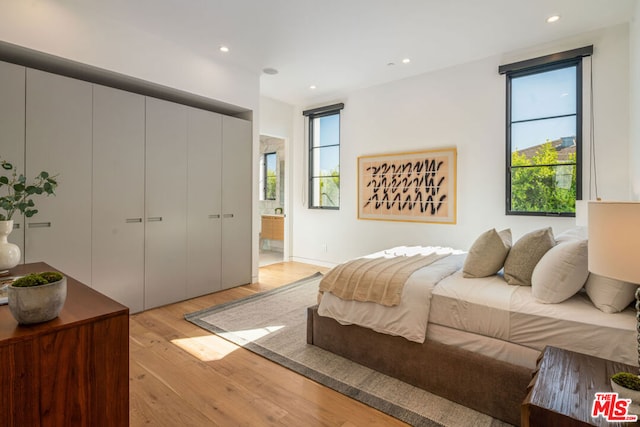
<point x="542" y="183"/>
<point x="272" y="180"/>
<point x="330" y="189"/>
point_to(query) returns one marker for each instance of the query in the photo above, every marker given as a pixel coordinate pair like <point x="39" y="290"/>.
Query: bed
<point x="476" y="340"/>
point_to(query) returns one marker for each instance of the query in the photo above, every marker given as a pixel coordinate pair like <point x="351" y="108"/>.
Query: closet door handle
<point x="39" y="224"/>
<point x="154" y="218"/>
<point x="227" y="216"/>
<point x="16" y="226"/>
<point x="214" y="216"/>
<point x="132" y="220"/>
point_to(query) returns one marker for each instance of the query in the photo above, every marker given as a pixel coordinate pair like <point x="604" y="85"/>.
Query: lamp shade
<point x="614" y="240"/>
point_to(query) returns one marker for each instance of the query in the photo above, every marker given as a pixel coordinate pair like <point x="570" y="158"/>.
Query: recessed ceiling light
<point x="224" y="49"/>
<point x="406" y="60"/>
<point x="553" y="18"/>
<point x="312" y="87"/>
<point x="391" y="64"/>
<point x="270" y="71"/>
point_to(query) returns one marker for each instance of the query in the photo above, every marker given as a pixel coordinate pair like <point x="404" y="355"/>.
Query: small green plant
<point x="627" y="380"/>
<point x="19" y="194"/>
<point x="37" y="279"/>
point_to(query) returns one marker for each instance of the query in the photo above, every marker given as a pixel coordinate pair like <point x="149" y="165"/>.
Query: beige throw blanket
<point x="378" y="280"/>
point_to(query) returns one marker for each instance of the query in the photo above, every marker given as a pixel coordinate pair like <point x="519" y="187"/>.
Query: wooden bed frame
<point x="479" y="382"/>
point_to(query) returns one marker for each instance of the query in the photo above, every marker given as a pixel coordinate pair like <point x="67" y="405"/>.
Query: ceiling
<point x="343" y="45"/>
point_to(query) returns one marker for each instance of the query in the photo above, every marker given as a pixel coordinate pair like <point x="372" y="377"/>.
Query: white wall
<point x="56" y="28"/>
<point x="634" y="128"/>
<point x="276" y="119"/>
<point x="463" y="106"/>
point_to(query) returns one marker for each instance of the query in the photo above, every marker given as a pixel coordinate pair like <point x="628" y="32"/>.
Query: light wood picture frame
<point x="413" y="186"/>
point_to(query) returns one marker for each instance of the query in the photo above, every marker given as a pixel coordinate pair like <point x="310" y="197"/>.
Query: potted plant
<point x="627" y="385"/>
<point x="37" y="297"/>
<point x="16" y="195"/>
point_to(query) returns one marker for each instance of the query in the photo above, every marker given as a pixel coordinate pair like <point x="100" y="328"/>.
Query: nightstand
<point x="563" y="388"/>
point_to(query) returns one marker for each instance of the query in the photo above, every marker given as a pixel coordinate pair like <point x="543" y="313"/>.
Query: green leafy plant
<point x="330" y="188"/>
<point x="627" y="380"/>
<point x="543" y="183"/>
<point x="272" y="180"/>
<point x="18" y="194"/>
<point x="37" y="279"/>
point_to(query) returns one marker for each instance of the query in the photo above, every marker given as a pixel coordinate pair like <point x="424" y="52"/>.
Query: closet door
<point x="12" y="81"/>
<point x="58" y="140"/>
<point x="204" y="204"/>
<point x="166" y="203"/>
<point x="118" y="202"/>
<point x="236" y="202"/>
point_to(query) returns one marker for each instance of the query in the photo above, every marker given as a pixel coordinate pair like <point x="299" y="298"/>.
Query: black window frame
<point x="329" y="110"/>
<point x="572" y="58"/>
<point x="266" y="177"/>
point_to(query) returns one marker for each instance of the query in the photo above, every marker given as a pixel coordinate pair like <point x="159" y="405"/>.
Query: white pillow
<point x="525" y="254"/>
<point x="561" y="272"/>
<point x="609" y="295"/>
<point x="574" y="233"/>
<point x="487" y="254"/>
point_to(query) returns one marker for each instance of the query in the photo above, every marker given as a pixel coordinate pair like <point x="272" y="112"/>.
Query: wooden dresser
<point x="70" y="371"/>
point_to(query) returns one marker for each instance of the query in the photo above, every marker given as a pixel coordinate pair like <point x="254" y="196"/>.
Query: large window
<point x="544" y="134"/>
<point x="324" y="156"/>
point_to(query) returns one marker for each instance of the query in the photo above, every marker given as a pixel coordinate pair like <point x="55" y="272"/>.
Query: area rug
<point x="273" y="325"/>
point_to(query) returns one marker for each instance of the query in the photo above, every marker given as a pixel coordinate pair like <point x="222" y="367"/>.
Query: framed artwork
<point x="417" y="186"/>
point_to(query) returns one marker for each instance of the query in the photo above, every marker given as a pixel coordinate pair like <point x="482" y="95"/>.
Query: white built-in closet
<point x="154" y="197"/>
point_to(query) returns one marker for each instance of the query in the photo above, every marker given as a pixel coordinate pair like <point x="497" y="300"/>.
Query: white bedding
<point x="492" y="308"/>
<point x="490" y="316"/>
<point x="407" y="319"/>
<point x="487" y="346"/>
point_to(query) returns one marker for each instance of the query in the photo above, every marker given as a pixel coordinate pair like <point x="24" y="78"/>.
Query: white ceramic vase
<point x="9" y="253"/>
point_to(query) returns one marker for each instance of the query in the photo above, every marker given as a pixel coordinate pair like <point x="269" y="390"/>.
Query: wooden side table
<point x="70" y="371"/>
<point x="563" y="388"/>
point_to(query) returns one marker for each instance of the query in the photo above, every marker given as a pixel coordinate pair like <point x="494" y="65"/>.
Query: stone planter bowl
<point x="626" y="393"/>
<point x="37" y="304"/>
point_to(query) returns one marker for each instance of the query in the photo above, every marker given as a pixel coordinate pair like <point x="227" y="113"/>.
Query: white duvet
<point x="491" y="310"/>
<point x="409" y="318"/>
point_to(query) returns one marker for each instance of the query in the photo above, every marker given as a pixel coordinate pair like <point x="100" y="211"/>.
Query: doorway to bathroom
<point x="272" y="200"/>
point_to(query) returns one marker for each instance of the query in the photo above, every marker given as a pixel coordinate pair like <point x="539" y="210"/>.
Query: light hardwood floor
<point x="181" y="375"/>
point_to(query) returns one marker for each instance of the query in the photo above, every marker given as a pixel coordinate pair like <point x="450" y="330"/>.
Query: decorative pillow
<point x="575" y="233"/>
<point x="609" y="295"/>
<point x="487" y="254"/>
<point x="561" y="272"/>
<point x="525" y="254"/>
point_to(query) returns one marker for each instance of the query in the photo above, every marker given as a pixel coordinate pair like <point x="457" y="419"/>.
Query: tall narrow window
<point x="324" y="156"/>
<point x="544" y="134"/>
<point x="269" y="178"/>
